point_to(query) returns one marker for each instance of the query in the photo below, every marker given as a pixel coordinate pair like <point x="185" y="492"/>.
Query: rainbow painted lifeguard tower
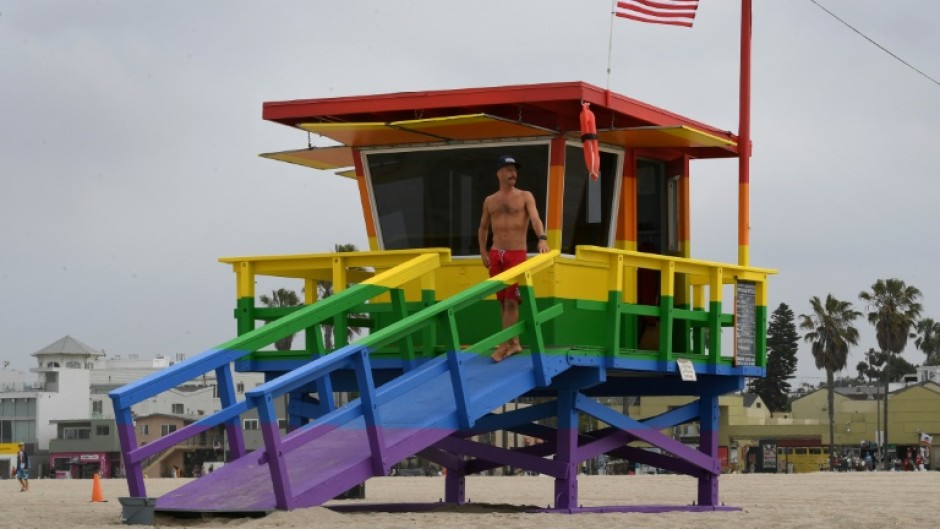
<point x="618" y="308"/>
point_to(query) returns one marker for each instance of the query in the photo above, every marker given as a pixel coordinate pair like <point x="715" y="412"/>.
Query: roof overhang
<point x="478" y="114"/>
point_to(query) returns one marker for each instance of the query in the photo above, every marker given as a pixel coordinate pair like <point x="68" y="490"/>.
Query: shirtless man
<point x="509" y="212"/>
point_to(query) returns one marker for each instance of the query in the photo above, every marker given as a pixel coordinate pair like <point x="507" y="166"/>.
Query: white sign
<point x="686" y="369"/>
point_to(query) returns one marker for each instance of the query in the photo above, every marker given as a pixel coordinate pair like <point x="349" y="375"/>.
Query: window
<point x="52" y="364"/>
<point x="97" y="406"/>
<point x="282" y="424"/>
<point x="62" y="464"/>
<point x="144" y="429"/>
<point x="167" y="429"/>
<point x="240" y="387"/>
<point x="177" y="408"/>
<point x="650" y="199"/>
<point x="73" y="433"/>
<point x="102" y="430"/>
<point x="251" y="424"/>
<point x="589" y="206"/>
<point x="434" y="197"/>
<point x="73" y="365"/>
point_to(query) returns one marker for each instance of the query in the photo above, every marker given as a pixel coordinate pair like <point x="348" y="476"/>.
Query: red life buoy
<point x="592" y="156"/>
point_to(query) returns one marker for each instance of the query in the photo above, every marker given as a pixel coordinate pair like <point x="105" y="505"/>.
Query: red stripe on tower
<point x="669" y="12"/>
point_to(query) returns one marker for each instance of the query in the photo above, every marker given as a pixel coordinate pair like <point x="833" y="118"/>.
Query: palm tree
<point x="281" y="298"/>
<point x="894" y="309"/>
<point x="325" y="290"/>
<point x="831" y="332"/>
<point x="928" y="340"/>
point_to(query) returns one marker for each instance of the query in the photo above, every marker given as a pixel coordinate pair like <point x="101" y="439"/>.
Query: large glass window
<point x="589" y="204"/>
<point x="651" y="210"/>
<point x="434" y="198"/>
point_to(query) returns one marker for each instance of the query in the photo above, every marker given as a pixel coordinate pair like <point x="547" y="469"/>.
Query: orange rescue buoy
<point x="592" y="156"/>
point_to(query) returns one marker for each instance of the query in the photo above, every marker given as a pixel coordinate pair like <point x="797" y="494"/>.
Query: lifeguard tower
<point x="618" y="308"/>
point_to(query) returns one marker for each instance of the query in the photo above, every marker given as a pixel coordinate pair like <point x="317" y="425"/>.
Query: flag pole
<point x="744" y="138"/>
<point x="610" y="40"/>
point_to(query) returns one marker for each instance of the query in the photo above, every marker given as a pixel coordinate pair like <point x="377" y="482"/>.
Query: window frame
<point x="364" y="154"/>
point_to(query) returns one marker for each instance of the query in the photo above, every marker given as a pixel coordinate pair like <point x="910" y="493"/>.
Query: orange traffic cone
<point x="96" y="494"/>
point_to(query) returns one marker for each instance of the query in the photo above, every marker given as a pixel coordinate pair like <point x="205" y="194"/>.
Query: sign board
<point x="686" y="369"/>
<point x="745" y="323"/>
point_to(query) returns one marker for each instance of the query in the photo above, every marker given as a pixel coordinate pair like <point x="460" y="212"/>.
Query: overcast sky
<point x="129" y="134"/>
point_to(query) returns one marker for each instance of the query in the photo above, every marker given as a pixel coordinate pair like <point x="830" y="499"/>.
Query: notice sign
<point x="745" y="323"/>
<point x="686" y="369"/>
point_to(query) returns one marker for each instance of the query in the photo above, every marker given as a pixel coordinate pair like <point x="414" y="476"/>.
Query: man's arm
<point x="484" y="232"/>
<point x="536" y="222"/>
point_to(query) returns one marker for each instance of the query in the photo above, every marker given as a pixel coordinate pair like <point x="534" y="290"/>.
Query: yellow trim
<point x="310" y="291"/>
<point x="554" y="238"/>
<point x="408" y="271"/>
<point x="667" y="282"/>
<point x="715" y="282"/>
<point x="245" y="279"/>
<point x="744" y="255"/>
<point x="374" y="243"/>
<point x="652" y="137"/>
<point x="448" y="128"/>
<point x="629" y="246"/>
<point x="532" y="265"/>
<point x="318" y="158"/>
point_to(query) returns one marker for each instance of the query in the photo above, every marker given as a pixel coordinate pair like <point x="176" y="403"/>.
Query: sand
<point x="854" y="500"/>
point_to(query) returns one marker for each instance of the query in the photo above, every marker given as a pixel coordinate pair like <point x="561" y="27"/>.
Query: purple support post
<point x="708" y="445"/>
<point x="455" y="485"/>
<point x="126" y="434"/>
<point x="566" y="488"/>
<point x="283" y="495"/>
<point x="233" y="428"/>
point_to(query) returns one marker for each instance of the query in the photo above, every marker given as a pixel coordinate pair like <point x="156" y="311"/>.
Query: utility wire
<point x="866" y="37"/>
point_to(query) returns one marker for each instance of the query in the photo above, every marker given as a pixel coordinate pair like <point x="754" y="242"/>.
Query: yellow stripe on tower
<point x="556" y="192"/>
<point x="744" y="225"/>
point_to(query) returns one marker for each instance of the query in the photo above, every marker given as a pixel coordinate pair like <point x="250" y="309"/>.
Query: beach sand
<point x="855" y="500"/>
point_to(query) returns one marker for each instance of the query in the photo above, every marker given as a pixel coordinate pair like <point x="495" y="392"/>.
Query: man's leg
<point x="510" y="315"/>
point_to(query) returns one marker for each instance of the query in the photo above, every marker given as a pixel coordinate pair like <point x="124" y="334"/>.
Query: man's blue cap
<point x="507" y="159"/>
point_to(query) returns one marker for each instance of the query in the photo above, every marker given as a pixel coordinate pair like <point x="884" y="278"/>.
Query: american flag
<point x="670" y="12"/>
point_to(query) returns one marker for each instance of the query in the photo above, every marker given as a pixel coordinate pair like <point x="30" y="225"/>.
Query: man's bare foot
<point x="511" y="349"/>
<point x="500" y="352"/>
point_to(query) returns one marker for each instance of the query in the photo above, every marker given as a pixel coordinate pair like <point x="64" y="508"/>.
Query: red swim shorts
<point x="502" y="260"/>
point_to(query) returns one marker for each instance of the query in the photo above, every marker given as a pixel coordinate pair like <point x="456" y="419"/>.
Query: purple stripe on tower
<point x="708" y="444"/>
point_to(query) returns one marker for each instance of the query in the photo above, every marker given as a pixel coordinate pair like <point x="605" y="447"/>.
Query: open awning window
<point x="444" y="129"/>
<point x="680" y="136"/>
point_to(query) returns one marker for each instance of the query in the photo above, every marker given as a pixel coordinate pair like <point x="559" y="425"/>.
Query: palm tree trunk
<point x="832" y="412"/>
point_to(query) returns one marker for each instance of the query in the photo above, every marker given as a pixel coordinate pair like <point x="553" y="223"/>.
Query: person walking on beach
<point x="508" y="213"/>
<point x="22" y="468"/>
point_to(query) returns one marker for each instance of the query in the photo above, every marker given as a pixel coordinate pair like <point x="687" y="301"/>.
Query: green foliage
<point x="782" y="346"/>
<point x="829" y="329"/>
<point x="928" y="340"/>
<point x="894" y="309"/>
<point x="281" y="298"/>
<point x="831" y="332"/>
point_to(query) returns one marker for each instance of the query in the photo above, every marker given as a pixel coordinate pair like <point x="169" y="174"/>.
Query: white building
<point x="928" y="374"/>
<point x="72" y="383"/>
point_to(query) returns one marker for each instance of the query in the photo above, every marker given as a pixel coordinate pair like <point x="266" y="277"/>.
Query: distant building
<point x="66" y="418"/>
